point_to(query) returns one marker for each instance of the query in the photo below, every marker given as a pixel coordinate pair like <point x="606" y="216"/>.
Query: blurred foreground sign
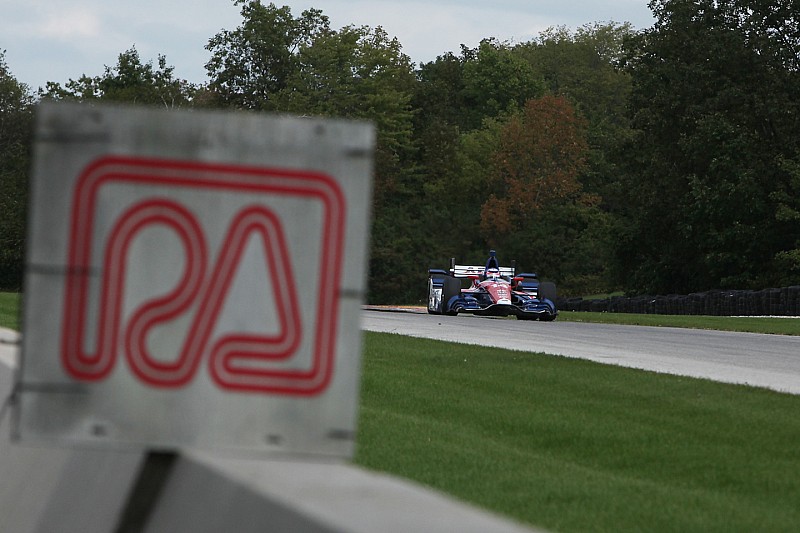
<point x="194" y="279"/>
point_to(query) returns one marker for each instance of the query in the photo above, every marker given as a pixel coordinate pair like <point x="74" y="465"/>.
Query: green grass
<point x="779" y="326"/>
<point x="9" y="310"/>
<point x="571" y="445"/>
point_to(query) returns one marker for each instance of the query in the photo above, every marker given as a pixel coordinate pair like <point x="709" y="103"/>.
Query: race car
<point x="493" y="291"/>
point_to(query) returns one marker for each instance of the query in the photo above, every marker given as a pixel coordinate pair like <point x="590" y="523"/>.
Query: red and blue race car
<point x="493" y="291"/>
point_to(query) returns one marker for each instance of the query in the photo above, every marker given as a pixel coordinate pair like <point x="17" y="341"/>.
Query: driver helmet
<point x="493" y="273"/>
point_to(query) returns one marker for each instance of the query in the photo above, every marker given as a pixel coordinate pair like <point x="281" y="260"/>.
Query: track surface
<point x="770" y="361"/>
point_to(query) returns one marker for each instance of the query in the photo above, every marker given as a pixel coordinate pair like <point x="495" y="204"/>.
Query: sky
<point x="58" y="40"/>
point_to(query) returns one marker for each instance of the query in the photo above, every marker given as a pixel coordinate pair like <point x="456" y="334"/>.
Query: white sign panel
<point x="194" y="279"/>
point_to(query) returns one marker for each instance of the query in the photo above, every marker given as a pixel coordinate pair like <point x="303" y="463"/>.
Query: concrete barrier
<point x="61" y="490"/>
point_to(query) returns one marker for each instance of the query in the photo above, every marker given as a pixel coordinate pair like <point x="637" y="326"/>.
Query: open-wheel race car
<point x="493" y="291"/>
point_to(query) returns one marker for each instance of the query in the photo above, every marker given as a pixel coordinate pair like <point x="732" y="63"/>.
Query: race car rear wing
<point x="464" y="271"/>
<point x="527" y="280"/>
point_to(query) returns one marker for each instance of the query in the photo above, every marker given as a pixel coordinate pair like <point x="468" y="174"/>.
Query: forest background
<point x="659" y="161"/>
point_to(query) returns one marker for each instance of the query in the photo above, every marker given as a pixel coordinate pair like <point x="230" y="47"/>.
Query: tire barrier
<point x="766" y="302"/>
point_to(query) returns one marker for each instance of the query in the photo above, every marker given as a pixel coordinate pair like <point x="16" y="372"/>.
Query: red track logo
<point x="239" y="361"/>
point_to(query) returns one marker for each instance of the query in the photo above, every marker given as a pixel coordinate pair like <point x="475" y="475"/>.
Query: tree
<point x="361" y="73"/>
<point x="540" y="155"/>
<point x="16" y="123"/>
<point x="787" y="198"/>
<point x="461" y="102"/>
<point x="439" y="93"/>
<point x="536" y="209"/>
<point x="497" y="81"/>
<point x="275" y="62"/>
<point x="253" y="63"/>
<point x="129" y="81"/>
<point x="715" y="96"/>
<point x="582" y="65"/>
<point x="357" y="73"/>
<point x="440" y="126"/>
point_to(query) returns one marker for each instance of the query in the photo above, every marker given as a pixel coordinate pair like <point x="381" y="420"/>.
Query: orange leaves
<point x="541" y="152"/>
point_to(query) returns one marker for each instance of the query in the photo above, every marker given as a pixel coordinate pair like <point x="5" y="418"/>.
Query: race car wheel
<point x="452" y="287"/>
<point x="435" y="295"/>
<point x="547" y="291"/>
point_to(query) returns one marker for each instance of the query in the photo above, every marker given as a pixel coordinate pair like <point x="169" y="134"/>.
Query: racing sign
<point x="195" y="280"/>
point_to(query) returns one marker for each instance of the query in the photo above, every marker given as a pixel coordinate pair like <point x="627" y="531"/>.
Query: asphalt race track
<point x="770" y="361"/>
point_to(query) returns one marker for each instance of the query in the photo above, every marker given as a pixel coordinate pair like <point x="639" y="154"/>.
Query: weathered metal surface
<point x="194" y="279"/>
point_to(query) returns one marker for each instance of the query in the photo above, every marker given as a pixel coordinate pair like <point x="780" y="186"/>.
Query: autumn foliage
<point x="541" y="152"/>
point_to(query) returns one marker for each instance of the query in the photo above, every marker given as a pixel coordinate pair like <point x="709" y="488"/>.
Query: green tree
<point x="453" y="193"/>
<point x="251" y="64"/>
<point x="357" y="73"/>
<point x="439" y="125"/>
<point x="496" y="81"/>
<point x="787" y="198"/>
<point x="275" y="62"/>
<point x="361" y="73"/>
<point x="16" y="123"/>
<point x="439" y="95"/>
<point x="129" y="81"/>
<point x="714" y="101"/>
<point x="582" y="65"/>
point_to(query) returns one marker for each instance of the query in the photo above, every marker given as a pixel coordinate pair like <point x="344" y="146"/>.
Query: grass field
<point x="571" y="445"/>
<point x="773" y="325"/>
<point x="9" y="310"/>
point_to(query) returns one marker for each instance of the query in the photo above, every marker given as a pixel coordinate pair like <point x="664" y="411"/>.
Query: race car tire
<point x="437" y="310"/>
<point x="547" y="291"/>
<point x="452" y="287"/>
